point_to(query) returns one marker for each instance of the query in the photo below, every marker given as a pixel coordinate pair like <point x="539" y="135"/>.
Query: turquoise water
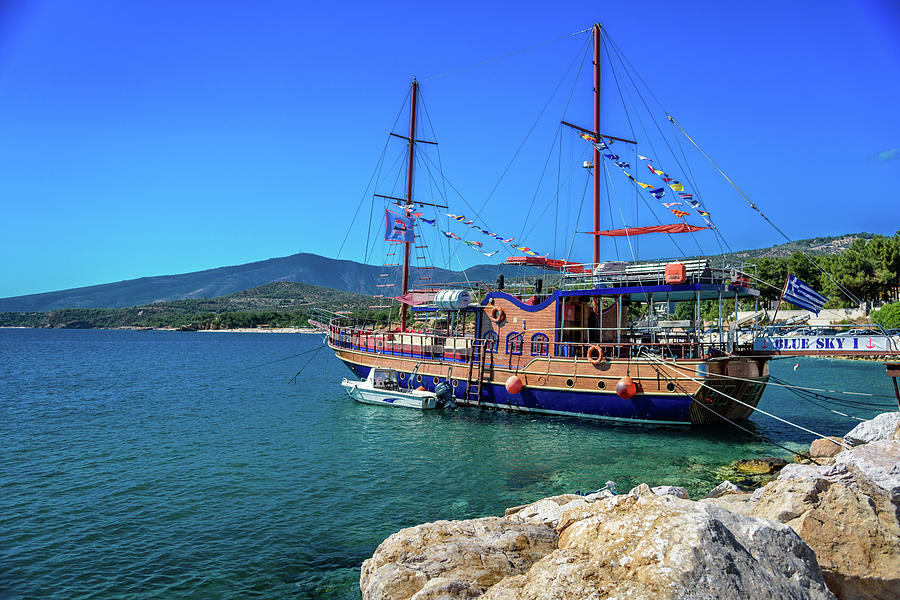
<point x="170" y="465"/>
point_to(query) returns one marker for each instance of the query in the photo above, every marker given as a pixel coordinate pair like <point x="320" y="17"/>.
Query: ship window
<point x="514" y="343"/>
<point x="491" y="338"/>
<point x="540" y="344"/>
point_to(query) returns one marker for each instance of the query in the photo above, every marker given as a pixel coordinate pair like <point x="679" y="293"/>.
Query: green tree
<point x="888" y="316"/>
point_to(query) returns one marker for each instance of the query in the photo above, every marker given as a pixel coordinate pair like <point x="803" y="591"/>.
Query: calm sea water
<point x="171" y="465"/>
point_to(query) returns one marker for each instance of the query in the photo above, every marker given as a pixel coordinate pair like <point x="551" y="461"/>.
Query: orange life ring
<point x="496" y="314"/>
<point x="595" y="354"/>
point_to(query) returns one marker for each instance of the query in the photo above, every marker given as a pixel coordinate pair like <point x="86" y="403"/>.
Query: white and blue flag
<point x="803" y="295"/>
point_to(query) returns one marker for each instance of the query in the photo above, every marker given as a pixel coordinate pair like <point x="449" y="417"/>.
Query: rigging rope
<point x="680" y="371"/>
<point x="507" y="55"/>
<point x="756" y="208"/>
<point x="530" y="131"/>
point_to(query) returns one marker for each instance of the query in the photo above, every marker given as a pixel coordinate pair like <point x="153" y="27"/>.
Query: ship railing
<point x="620" y="273"/>
<point x="444" y="349"/>
<point x="430" y="346"/>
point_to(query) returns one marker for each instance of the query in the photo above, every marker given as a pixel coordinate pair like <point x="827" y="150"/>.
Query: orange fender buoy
<point x="626" y="388"/>
<point x="514" y="385"/>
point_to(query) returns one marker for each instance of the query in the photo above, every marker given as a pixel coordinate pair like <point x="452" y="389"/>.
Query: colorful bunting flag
<point x="643" y="157"/>
<point x="588" y="137"/>
<point x="677" y="186"/>
<point x="679" y="213"/>
<point x="671" y="204"/>
<point x="658" y="193"/>
<point x="686" y="196"/>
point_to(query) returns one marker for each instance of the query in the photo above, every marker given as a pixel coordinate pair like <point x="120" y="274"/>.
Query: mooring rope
<point x="681" y="372"/>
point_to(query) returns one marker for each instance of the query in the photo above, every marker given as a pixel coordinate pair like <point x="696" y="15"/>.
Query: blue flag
<point x="658" y="193"/>
<point x="398" y="228"/>
<point x="803" y="295"/>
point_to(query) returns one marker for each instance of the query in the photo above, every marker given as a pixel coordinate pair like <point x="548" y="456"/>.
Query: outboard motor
<point x="444" y="393"/>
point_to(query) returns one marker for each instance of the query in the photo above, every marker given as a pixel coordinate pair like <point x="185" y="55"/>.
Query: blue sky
<point x="152" y="138"/>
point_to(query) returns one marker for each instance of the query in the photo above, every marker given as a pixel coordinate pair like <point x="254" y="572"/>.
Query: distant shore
<point x="236" y="330"/>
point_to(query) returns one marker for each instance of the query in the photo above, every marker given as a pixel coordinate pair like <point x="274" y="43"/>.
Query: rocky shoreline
<point x="825" y="527"/>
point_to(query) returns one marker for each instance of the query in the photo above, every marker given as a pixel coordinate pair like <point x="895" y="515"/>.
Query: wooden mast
<point x="409" y="196"/>
<point x="597" y="156"/>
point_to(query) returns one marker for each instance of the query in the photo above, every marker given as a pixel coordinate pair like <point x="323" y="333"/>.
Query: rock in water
<point x="826" y="447"/>
<point x="760" y="466"/>
<point x="881" y="427"/>
<point x="642" y="545"/>
<point x="453" y="559"/>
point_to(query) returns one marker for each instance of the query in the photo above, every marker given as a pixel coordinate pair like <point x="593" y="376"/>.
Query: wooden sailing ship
<point x="569" y="349"/>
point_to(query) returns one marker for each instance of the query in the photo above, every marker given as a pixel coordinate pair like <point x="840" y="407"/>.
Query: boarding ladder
<point x="474" y="386"/>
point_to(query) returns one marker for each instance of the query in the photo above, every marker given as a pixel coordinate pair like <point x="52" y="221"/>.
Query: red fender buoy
<point x="514" y="384"/>
<point x="626" y="388"/>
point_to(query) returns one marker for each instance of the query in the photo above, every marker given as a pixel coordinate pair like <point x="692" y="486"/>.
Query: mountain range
<point x="344" y="275"/>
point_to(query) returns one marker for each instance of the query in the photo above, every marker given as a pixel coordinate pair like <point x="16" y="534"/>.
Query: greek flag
<point x="801" y="294"/>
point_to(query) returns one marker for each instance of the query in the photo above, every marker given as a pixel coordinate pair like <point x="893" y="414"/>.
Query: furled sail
<point x="673" y="228"/>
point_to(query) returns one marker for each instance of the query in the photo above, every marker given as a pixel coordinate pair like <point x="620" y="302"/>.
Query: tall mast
<point x="596" y="34"/>
<point x="409" y="195"/>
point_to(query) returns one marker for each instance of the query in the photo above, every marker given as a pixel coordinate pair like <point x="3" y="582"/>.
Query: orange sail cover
<point x="673" y="228"/>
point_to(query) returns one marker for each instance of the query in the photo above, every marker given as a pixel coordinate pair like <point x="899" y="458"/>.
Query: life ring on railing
<point x="496" y="314"/>
<point x="595" y="355"/>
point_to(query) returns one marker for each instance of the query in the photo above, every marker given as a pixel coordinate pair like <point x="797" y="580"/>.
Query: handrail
<point x="426" y="346"/>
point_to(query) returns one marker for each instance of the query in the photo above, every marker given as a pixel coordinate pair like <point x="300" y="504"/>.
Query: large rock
<point x="546" y="511"/>
<point x="826" y="447"/>
<point x="881" y="427"/>
<point x="453" y="559"/>
<point x="642" y="545"/>
<point x="847" y="513"/>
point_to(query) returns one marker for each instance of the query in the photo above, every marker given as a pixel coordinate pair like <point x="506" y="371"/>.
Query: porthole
<point x="418" y="379"/>
<point x="435" y="381"/>
<point x="455" y="382"/>
<point x="570" y="383"/>
<point x="402" y="376"/>
<point x="601" y="385"/>
<point x="670" y="386"/>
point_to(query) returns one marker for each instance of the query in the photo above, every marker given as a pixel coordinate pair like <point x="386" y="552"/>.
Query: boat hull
<point x="360" y="393"/>
<point x="688" y="393"/>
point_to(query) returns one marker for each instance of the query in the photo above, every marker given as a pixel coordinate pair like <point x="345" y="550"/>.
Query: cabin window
<point x="492" y="341"/>
<point x="514" y="343"/>
<point x="540" y="344"/>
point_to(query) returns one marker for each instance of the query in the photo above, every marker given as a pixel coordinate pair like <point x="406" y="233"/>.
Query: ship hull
<point x="683" y="393"/>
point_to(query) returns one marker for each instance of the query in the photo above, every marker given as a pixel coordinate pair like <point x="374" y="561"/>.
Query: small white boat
<point x="382" y="387"/>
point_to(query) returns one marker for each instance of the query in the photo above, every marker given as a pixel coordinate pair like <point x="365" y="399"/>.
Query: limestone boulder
<point x="724" y="488"/>
<point x="881" y="427"/>
<point x="846" y="512"/>
<point x="453" y="559"/>
<point x="671" y="490"/>
<point x="546" y="511"/>
<point x="826" y="447"/>
<point x="642" y="545"/>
